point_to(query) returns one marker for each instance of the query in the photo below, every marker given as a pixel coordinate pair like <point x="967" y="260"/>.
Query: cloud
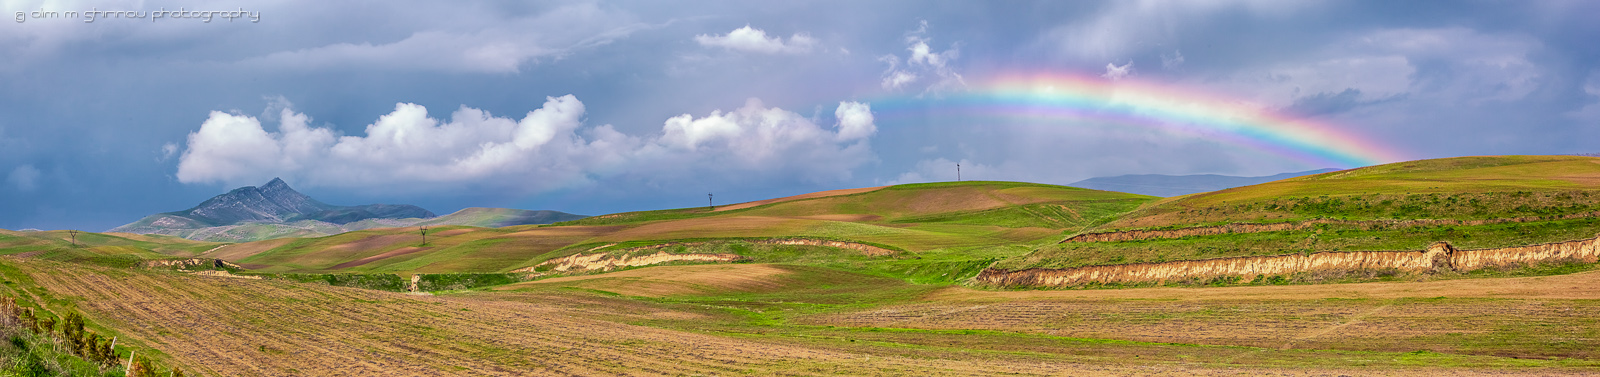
<point x="167" y="151"/>
<point x="1125" y="28"/>
<point x="923" y="61"/>
<point x="1591" y="111"/>
<point x="1115" y="72"/>
<point x="1448" y="67"/>
<point x="944" y="170"/>
<point x="488" y="45"/>
<point x="749" y="39"/>
<point x="547" y="149"/>
<point x="855" y="121"/>
<point x="1171" y="62"/>
<point x="25" y="178"/>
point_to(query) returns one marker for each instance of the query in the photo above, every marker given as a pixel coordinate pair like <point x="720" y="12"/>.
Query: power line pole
<point x="958" y="172"/>
<point x="424" y="230"/>
<point x="710" y="205"/>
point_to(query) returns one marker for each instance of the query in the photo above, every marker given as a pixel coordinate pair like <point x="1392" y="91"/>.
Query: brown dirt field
<point x="814" y="195"/>
<point x="374" y="258"/>
<point x="1579" y="286"/>
<point x="147" y="238"/>
<point x="842" y="217"/>
<point x="954" y="199"/>
<point x="736" y="226"/>
<point x="674" y="280"/>
<point x="239" y="251"/>
<point x="452" y="232"/>
<point x="373" y="243"/>
<point x="568" y="231"/>
<point x="1010" y="196"/>
<point x="222" y="326"/>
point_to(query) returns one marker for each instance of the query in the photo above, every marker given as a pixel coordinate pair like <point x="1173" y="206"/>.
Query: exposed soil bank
<point x="608" y="260"/>
<point x="1141" y="234"/>
<point x="1439" y="256"/>
<point x="863" y="248"/>
<point x="605" y="261"/>
<point x="184" y="264"/>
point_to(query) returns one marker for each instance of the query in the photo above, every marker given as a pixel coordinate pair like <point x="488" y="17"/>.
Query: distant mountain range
<point x="275" y="210"/>
<point x="1175" y="185"/>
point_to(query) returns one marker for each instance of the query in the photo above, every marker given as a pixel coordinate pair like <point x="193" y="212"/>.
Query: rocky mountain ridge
<point x="275" y="210"/>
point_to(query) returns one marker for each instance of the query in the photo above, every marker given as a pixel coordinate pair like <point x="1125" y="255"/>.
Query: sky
<point x="111" y="111"/>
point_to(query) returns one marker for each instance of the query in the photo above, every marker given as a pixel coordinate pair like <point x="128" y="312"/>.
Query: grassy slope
<point x="1465" y="188"/>
<point x="960" y="223"/>
<point x="117" y="249"/>
<point x="1457" y="188"/>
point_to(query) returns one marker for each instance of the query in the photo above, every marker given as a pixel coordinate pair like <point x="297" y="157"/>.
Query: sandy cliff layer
<point x="863" y="248"/>
<point x="606" y="261"/>
<point x="184" y="264"/>
<point x="1439" y="256"/>
<point x="1140" y="234"/>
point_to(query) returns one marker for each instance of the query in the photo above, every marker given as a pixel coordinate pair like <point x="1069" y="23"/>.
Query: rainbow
<point x="1066" y="100"/>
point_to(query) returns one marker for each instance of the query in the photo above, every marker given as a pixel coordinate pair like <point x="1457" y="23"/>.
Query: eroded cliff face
<point x="1437" y="257"/>
<point x="184" y="264"/>
<point x="1143" y="234"/>
<point x="606" y="261"/>
<point x="863" y="248"/>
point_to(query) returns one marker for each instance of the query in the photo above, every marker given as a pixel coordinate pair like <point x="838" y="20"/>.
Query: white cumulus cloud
<point x="546" y="149"/>
<point x="486" y="45"/>
<point x="923" y="61"/>
<point x="750" y="39"/>
<point x="1115" y="72"/>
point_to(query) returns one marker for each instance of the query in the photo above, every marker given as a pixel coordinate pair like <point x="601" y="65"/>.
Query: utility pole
<point x="958" y="172"/>
<point x="710" y="205"/>
<point x="74" y="234"/>
<point x="424" y="230"/>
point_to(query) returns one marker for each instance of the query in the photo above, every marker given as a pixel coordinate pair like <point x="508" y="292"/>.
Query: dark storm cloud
<point x="98" y="116"/>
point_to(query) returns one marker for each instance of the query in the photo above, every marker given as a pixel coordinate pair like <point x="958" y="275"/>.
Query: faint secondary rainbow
<point x="1057" y="99"/>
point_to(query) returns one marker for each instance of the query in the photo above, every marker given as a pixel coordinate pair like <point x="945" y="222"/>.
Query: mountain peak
<point x="275" y="182"/>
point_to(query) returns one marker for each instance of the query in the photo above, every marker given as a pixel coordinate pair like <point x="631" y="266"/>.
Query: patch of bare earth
<point x="954" y="199"/>
<point x="814" y="195"/>
<point x="743" y="226"/>
<point x="1579" y="286"/>
<point x="384" y="255"/>
<point x="674" y="280"/>
<point x="244" y="250"/>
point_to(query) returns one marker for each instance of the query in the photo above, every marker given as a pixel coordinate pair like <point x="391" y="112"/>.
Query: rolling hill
<point x="1487" y="202"/>
<point x="1176" y="185"/>
<point x="967" y="223"/>
<point x="275" y="210"/>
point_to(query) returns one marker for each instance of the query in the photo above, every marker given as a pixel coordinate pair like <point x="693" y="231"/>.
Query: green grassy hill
<point x="116" y="249"/>
<point x="1482" y="187"/>
<point x="1471" y="202"/>
<point x="970" y="222"/>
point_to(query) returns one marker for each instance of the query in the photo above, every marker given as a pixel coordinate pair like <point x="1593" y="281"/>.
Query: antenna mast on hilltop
<point x="958" y="172"/>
